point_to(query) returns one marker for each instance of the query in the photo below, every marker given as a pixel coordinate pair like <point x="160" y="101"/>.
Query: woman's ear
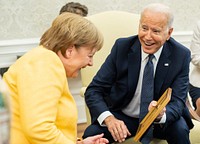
<point x="69" y="51"/>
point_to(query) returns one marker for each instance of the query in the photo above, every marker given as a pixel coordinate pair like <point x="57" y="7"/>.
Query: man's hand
<point x="154" y="104"/>
<point x="117" y="128"/>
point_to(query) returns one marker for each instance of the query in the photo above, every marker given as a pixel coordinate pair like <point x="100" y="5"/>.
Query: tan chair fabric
<point x="113" y="25"/>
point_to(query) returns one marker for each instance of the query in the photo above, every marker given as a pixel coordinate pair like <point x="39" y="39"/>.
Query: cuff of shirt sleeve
<point x="163" y="119"/>
<point x="103" y="116"/>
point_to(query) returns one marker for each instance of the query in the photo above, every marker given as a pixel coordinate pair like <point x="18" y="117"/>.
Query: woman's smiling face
<point x="77" y="58"/>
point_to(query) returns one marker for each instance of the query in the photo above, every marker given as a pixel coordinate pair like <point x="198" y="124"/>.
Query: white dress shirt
<point x="133" y="108"/>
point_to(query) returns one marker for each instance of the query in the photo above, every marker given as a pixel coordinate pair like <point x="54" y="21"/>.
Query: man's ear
<point x="170" y="33"/>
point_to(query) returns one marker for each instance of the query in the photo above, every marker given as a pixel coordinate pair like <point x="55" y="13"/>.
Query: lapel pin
<point x="166" y="64"/>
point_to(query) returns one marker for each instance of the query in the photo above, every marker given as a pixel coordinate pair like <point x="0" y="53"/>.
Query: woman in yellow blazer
<point x="43" y="110"/>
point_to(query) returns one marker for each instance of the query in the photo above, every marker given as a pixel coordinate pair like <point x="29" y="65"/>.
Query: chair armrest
<point x="193" y="114"/>
<point x="82" y="91"/>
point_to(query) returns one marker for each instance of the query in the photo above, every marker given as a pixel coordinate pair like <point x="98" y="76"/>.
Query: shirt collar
<point x="157" y="54"/>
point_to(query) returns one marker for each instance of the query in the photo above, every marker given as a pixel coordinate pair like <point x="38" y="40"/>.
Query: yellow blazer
<point x="43" y="109"/>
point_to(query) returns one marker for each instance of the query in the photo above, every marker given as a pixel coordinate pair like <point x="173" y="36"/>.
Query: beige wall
<point x="21" y="19"/>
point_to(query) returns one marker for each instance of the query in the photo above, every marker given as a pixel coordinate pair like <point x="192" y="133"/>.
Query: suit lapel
<point x="134" y="64"/>
<point x="134" y="60"/>
<point x="162" y="69"/>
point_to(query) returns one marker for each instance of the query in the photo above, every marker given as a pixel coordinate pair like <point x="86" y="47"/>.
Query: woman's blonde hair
<point x="71" y="29"/>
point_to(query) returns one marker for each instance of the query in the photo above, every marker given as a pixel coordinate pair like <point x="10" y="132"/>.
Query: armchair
<point x="112" y="24"/>
<point x="115" y="24"/>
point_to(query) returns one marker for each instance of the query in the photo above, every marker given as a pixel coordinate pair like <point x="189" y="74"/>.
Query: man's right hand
<point x="117" y="128"/>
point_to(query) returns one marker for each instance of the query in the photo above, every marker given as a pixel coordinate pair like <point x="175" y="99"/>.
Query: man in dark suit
<point x="114" y="95"/>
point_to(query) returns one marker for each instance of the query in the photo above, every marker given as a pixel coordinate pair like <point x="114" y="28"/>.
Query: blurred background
<point x="30" y="18"/>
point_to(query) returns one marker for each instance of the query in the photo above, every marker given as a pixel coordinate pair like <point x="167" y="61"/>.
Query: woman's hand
<point x="97" y="139"/>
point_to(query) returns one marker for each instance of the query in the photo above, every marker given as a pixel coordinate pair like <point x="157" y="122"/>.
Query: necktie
<point x="147" y="96"/>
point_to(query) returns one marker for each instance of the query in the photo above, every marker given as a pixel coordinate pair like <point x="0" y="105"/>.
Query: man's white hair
<point x="160" y="8"/>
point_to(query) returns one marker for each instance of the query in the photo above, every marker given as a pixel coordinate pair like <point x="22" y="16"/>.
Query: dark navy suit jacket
<point x="115" y="83"/>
